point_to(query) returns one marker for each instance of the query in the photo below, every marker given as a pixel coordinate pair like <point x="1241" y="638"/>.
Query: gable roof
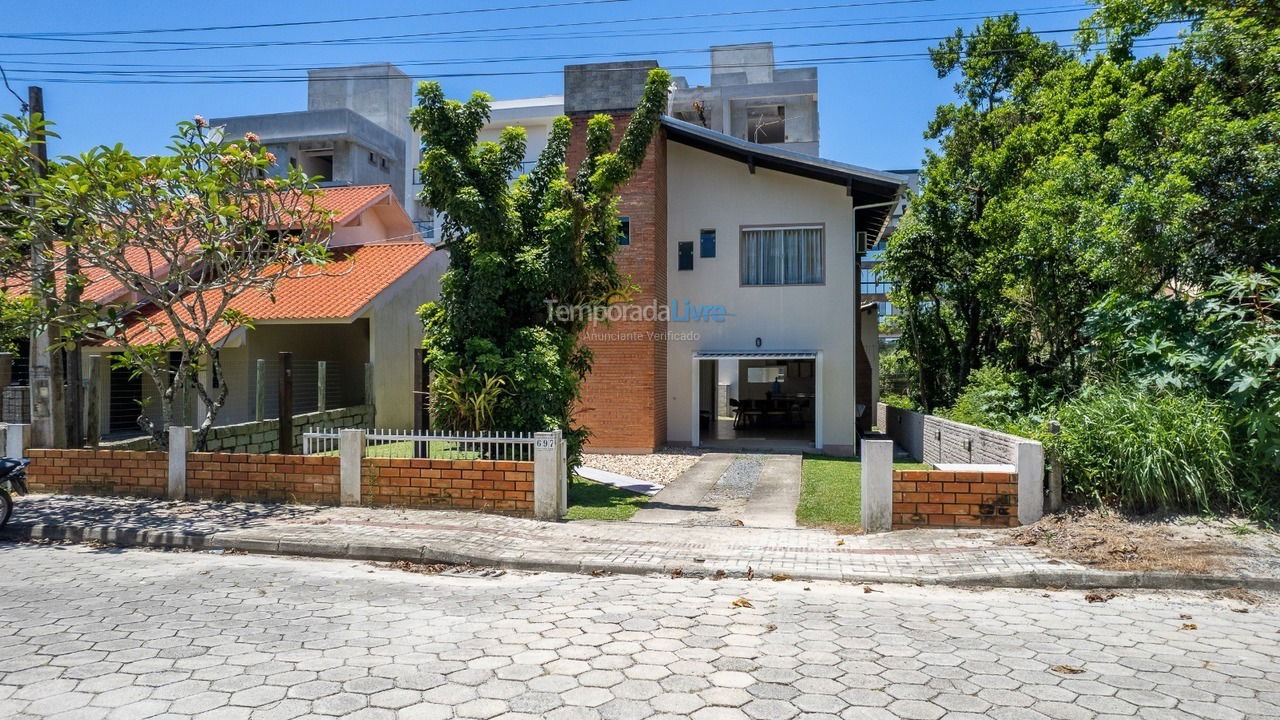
<point x="864" y="185"/>
<point x="348" y="201"/>
<point x="338" y="292"/>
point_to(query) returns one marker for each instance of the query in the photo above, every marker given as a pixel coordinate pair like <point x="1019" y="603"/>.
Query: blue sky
<point x="872" y="112"/>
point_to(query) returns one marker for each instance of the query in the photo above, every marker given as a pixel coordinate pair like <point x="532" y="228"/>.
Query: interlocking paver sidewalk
<point x="108" y="634"/>
<point x="925" y="556"/>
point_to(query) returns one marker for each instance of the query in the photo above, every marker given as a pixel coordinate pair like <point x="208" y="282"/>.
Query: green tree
<point x="1087" y="174"/>
<point x="948" y="259"/>
<point x="518" y="249"/>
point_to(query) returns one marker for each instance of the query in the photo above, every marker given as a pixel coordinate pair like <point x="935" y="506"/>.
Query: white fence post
<point x="15" y="440"/>
<point x="546" y="486"/>
<point x="179" y="441"/>
<point x="1030" y="467"/>
<point x="877" y="485"/>
<point x="350" y="454"/>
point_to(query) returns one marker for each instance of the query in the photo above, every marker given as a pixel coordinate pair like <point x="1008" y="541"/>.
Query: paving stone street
<point x="132" y="634"/>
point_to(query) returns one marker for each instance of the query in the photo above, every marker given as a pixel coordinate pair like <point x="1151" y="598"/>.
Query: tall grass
<point x="1146" y="450"/>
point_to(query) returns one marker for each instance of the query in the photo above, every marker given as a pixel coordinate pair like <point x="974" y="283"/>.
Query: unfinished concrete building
<point x="355" y="131"/>
<point x="753" y="99"/>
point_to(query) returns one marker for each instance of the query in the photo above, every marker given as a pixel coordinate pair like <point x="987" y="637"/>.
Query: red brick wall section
<point x="934" y="498"/>
<point x="624" y="398"/>
<point x="99" y="472"/>
<point x="487" y="485"/>
<point x="246" y="477"/>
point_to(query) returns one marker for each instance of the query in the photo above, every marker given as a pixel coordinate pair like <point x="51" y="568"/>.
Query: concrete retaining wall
<point x="262" y="437"/>
<point x="934" y="440"/>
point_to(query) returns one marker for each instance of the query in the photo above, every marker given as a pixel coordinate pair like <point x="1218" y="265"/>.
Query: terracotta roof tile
<point x="345" y="202"/>
<point x="335" y="292"/>
<point x="348" y="201"/>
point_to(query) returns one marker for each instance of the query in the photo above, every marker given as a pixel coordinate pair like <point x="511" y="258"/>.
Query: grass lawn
<point x="831" y="492"/>
<point x="594" y="501"/>
<point x="436" y="450"/>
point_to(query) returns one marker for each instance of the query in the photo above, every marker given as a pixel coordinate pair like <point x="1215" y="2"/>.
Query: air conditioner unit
<point x="865" y="241"/>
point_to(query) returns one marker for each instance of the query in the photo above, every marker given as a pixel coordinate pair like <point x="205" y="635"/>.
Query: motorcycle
<point x="13" y="479"/>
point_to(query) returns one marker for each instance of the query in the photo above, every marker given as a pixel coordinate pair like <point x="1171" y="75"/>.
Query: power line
<point x="900" y="20"/>
<point x="212" y="72"/>
<point x="822" y="61"/>
<point x="187" y="46"/>
<point x="302" y="23"/>
<point x="21" y="103"/>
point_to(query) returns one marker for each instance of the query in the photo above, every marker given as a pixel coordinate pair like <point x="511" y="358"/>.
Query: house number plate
<point x="545" y="444"/>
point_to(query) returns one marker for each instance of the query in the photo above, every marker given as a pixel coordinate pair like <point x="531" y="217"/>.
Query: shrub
<point x="1145" y="449"/>
<point x="992" y="397"/>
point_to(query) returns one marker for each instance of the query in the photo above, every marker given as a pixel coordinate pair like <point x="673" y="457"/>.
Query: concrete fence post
<point x="1055" y="472"/>
<point x="179" y="443"/>
<point x="562" y="472"/>
<point x="15" y="439"/>
<point x="1029" y="461"/>
<point x="351" y="457"/>
<point x="877" y="485"/>
<point x="260" y="391"/>
<point x="322" y="385"/>
<point x="546" y="486"/>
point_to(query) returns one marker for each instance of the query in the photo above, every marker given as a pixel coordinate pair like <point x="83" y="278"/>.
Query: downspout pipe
<point x="858" y="252"/>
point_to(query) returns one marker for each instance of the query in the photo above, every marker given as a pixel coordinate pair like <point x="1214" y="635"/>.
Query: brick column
<point x="624" y="398"/>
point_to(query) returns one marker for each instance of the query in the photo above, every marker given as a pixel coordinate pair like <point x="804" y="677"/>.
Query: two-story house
<point x="745" y="259"/>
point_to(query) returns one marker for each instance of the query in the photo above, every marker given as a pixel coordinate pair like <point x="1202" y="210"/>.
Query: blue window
<point x="624" y="231"/>
<point x="708" y="244"/>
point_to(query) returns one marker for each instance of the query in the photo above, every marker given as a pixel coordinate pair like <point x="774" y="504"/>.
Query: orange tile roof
<point x="338" y="291"/>
<point x="346" y="202"/>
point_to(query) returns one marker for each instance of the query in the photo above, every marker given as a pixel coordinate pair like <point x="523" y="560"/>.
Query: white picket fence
<point x="391" y="443"/>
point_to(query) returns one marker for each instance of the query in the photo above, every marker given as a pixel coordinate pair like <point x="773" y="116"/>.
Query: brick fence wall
<point x="934" y="498"/>
<point x="246" y="477"/>
<point x="99" y="472"/>
<point x="492" y="486"/>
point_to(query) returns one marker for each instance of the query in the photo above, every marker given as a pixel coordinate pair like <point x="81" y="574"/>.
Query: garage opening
<point x="758" y="400"/>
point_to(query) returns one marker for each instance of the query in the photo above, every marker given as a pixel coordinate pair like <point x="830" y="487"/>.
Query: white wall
<point x="708" y="191"/>
<point x="395" y="333"/>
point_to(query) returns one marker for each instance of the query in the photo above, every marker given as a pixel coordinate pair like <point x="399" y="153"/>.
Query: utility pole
<point x="48" y="423"/>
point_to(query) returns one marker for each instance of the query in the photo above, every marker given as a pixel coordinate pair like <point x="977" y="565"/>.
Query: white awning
<point x="757" y="355"/>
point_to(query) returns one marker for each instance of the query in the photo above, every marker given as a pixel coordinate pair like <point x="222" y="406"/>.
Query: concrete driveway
<point x="730" y="489"/>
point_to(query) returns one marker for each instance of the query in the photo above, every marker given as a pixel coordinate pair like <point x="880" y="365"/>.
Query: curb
<point x="392" y="552"/>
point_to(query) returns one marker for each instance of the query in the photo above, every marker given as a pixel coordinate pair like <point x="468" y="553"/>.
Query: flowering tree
<point x="182" y="234"/>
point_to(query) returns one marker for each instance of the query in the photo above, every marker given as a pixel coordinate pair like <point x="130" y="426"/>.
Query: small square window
<point x="684" y="256"/>
<point x="624" y="231"/>
<point x="708" y="244"/>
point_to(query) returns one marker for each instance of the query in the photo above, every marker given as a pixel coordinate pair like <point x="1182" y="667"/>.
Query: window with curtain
<point x="782" y="256"/>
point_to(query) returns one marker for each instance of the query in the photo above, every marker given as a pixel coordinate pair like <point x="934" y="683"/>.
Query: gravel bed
<point x="731" y="492"/>
<point x="662" y="467"/>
